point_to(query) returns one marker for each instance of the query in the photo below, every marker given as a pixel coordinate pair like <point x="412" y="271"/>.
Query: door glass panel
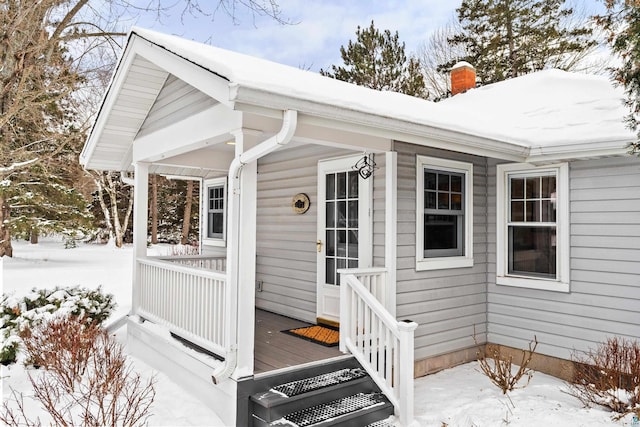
<point x="341" y="246"/>
<point x="331" y="242"/>
<point x="342" y="214"/>
<point x="341" y="192"/>
<point x="331" y="214"/>
<point x="353" y="185"/>
<point x="331" y="271"/>
<point x="331" y="187"/>
<point x="353" y="244"/>
<point x="353" y="214"/>
<point x="341" y="226"/>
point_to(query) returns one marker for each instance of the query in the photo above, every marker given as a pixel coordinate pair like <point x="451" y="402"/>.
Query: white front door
<point x="344" y="229"/>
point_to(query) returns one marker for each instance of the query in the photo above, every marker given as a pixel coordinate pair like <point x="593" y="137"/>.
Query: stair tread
<point x="382" y="423"/>
<point x="306" y="385"/>
<point x="332" y="410"/>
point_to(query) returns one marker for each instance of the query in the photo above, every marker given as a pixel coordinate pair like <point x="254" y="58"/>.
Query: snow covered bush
<point x="18" y="314"/>
<point x="86" y="378"/>
<point x="609" y="376"/>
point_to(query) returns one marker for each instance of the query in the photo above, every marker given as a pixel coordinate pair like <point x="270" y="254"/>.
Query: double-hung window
<point x="444" y="235"/>
<point x="214" y="211"/>
<point x="533" y="226"/>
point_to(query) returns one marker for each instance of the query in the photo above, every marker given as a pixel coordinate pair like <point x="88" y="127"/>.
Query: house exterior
<point x="506" y="212"/>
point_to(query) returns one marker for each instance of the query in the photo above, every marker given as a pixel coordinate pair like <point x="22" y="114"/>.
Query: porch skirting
<point x="185" y="367"/>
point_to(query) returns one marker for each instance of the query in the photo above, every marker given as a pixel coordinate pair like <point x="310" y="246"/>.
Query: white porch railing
<point x="382" y="345"/>
<point x="189" y="301"/>
<point x="198" y="261"/>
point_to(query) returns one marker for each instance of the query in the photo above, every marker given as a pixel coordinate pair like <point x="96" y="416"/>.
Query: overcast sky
<point x="319" y="27"/>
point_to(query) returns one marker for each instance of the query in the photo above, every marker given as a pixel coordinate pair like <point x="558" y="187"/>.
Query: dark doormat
<point x="323" y="335"/>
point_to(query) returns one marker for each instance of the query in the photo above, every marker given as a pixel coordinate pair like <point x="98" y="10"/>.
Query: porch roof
<point x="547" y="116"/>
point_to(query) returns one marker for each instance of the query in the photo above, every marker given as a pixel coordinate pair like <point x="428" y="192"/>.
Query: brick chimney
<point x="463" y="77"/>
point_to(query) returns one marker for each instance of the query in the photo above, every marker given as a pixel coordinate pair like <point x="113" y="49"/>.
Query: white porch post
<point x="391" y="228"/>
<point x="140" y="217"/>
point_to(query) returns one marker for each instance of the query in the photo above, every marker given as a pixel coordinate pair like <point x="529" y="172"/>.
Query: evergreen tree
<point x="508" y="38"/>
<point x="622" y="25"/>
<point x="377" y="60"/>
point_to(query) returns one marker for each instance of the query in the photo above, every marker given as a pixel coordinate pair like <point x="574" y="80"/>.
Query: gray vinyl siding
<point x="286" y="242"/>
<point x="176" y="101"/>
<point x="447" y="304"/>
<point x="604" y="297"/>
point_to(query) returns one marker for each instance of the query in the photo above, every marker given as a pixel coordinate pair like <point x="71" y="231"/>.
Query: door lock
<point x="319" y="245"/>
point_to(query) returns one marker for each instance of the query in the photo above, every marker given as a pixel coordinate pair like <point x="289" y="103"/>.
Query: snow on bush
<point x="85" y="378"/>
<point x="40" y="305"/>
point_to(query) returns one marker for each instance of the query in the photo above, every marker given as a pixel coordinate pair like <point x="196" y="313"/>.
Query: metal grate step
<point x="382" y="423"/>
<point x="306" y="385"/>
<point x="331" y="410"/>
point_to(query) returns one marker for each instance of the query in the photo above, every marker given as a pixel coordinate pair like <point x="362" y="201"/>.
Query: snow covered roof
<point x="545" y="116"/>
<point x="549" y="108"/>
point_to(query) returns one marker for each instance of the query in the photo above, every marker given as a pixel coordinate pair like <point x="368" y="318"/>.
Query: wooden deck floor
<point x="275" y="350"/>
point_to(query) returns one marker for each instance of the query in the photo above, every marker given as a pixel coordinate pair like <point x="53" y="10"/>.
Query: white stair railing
<point x="382" y="345"/>
<point x="188" y="301"/>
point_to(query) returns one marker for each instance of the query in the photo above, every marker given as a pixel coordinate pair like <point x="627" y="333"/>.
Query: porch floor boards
<point x="275" y="350"/>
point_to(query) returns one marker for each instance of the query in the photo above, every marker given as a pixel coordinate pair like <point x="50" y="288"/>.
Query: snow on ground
<point x="460" y="396"/>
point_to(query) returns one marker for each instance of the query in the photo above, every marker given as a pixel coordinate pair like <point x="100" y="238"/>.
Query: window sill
<point x="214" y="242"/>
<point x="443" y="263"/>
<point x="540" y="284"/>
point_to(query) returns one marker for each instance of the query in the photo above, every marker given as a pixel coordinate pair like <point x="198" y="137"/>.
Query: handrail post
<point x="345" y="316"/>
<point x="406" y="357"/>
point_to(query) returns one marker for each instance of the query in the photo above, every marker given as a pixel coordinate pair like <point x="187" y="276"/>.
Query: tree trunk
<point x="154" y="209"/>
<point x="113" y="198"/>
<point x="33" y="237"/>
<point x="5" y="234"/>
<point x="105" y="210"/>
<point x="186" y="219"/>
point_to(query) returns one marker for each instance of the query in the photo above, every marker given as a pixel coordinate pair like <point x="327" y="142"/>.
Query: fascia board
<point x="388" y="127"/>
<point x="197" y="76"/>
<point x="578" y="151"/>
<point x="108" y="100"/>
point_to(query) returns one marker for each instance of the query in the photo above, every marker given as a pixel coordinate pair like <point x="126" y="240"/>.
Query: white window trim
<point x="210" y="241"/>
<point x="561" y="283"/>
<point x="439" y="263"/>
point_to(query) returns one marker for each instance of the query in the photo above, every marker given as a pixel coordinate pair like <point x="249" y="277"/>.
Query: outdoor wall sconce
<point x="365" y="166"/>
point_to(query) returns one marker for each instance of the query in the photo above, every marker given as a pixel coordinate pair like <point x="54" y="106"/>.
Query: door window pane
<point x="353" y="244"/>
<point x="331" y="187"/>
<point x="353" y="214"/>
<point x="341" y="214"/>
<point x="353" y="184"/>
<point x="341" y="187"/>
<point x="331" y="214"/>
<point x="341" y="243"/>
<point x="330" y="271"/>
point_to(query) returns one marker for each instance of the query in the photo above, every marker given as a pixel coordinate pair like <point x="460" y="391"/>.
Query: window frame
<point x="445" y="261"/>
<point x="561" y="282"/>
<point x="206" y="239"/>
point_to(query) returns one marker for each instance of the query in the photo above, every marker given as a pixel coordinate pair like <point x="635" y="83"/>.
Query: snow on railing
<point x="188" y="301"/>
<point x="198" y="261"/>
<point x="382" y="345"/>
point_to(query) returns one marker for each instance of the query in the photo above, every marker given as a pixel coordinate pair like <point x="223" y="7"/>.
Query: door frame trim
<point x="365" y="216"/>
